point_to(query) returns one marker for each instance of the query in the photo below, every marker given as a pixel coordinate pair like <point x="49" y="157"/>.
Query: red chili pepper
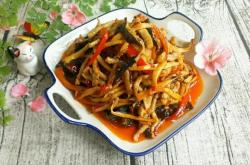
<point x="132" y="52"/>
<point x="142" y="62"/>
<point x="148" y="71"/>
<point x="183" y="104"/>
<point x="99" y="48"/>
<point x="104" y="88"/>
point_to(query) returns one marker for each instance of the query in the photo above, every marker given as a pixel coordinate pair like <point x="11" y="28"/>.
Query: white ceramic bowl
<point x="52" y="55"/>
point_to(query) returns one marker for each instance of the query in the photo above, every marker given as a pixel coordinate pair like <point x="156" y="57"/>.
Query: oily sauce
<point x="126" y="133"/>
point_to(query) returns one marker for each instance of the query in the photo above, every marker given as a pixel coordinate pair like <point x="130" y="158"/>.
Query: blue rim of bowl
<point x="98" y="130"/>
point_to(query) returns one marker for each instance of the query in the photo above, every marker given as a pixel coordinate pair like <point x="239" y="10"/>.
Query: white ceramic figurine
<point x="26" y="57"/>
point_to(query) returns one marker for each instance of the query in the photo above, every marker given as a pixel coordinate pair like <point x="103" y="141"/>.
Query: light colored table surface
<point x="220" y="136"/>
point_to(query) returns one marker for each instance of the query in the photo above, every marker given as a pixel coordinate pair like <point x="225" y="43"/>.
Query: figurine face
<point x="26" y="52"/>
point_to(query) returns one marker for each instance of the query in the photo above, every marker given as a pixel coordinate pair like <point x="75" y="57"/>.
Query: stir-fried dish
<point x="131" y="74"/>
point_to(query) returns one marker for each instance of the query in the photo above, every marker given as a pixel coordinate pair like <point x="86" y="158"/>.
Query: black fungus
<point x="174" y="106"/>
<point x="123" y="109"/>
<point x="162" y="112"/>
<point x="126" y="34"/>
<point x="135" y="108"/>
<point x="124" y="65"/>
<point x="112" y="117"/>
<point x="110" y="51"/>
<point x="79" y="45"/>
<point x="119" y="120"/>
<point x="71" y="69"/>
<point x="189" y="106"/>
<point x="148" y="133"/>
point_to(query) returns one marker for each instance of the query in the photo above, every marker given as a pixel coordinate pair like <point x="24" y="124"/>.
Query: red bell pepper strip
<point x="132" y="52"/>
<point x="99" y="48"/>
<point x="142" y="62"/>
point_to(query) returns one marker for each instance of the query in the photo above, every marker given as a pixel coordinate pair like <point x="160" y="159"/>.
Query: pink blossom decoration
<point x="72" y="15"/>
<point x="53" y="15"/>
<point x="19" y="90"/>
<point x="38" y="104"/>
<point x="211" y="56"/>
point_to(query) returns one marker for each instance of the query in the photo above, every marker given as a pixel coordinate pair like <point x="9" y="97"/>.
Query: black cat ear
<point x="15" y="52"/>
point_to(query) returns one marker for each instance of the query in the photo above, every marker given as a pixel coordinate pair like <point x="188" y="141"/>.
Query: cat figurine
<point x="26" y="57"/>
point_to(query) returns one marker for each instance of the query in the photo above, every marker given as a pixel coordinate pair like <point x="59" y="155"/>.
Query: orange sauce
<point x="126" y="133"/>
<point x="195" y="92"/>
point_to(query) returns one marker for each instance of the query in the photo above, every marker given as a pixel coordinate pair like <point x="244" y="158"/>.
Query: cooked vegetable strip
<point x="73" y="46"/>
<point x="97" y="71"/>
<point x="117" y="37"/>
<point x="156" y="73"/>
<point x="123" y="50"/>
<point x="89" y="91"/>
<point x="174" y="48"/>
<point x="81" y="52"/>
<point x="129" y="116"/>
<point x="130" y="74"/>
<point x="147" y="38"/>
<point x="110" y="60"/>
<point x="103" y="63"/>
<point x="93" y="32"/>
<point x="139" y="132"/>
<point x="159" y="35"/>
<point x="127" y="82"/>
<point x="112" y="43"/>
<point x="99" y="48"/>
<point x="82" y="68"/>
<point x="141" y="26"/>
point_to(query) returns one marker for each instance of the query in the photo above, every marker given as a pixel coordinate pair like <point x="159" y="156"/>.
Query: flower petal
<point x="72" y="16"/>
<point x="199" y="61"/>
<point x="81" y="17"/>
<point x="211" y="56"/>
<point x="19" y="90"/>
<point x="37" y="105"/>
<point x="222" y="58"/>
<point x="67" y="17"/>
<point x="199" y="48"/>
<point x="210" y="46"/>
<point x="210" y="69"/>
<point x="74" y="7"/>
